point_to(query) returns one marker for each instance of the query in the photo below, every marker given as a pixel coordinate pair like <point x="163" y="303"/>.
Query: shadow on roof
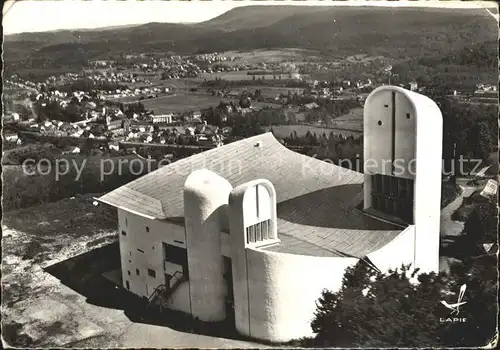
<point x="333" y="207"/>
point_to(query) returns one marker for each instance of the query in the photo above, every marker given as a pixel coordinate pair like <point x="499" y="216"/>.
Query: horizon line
<point x="228" y="6"/>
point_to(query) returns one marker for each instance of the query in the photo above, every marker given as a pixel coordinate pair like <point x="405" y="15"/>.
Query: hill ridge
<point x="398" y="32"/>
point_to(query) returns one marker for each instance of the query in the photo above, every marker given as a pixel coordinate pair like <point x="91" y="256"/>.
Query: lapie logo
<point x="455" y="307"/>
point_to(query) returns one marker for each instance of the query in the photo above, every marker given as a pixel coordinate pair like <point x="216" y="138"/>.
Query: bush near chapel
<point x="388" y="310"/>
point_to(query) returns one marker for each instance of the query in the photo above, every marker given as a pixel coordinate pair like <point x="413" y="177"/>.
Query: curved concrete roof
<point x="317" y="201"/>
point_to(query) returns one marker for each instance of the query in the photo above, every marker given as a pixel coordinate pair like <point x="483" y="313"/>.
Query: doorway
<point x="228" y="277"/>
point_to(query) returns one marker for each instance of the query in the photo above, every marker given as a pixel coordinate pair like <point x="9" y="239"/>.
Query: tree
<point x="482" y="225"/>
<point x="373" y="309"/>
<point x="482" y="140"/>
<point x="87" y="146"/>
<point x="424" y="80"/>
<point x="244" y="102"/>
<point x="481" y="277"/>
<point x="292" y="117"/>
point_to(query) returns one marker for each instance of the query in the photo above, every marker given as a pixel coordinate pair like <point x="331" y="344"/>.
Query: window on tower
<point x="393" y="196"/>
<point x="259" y="232"/>
<point x="261" y="217"/>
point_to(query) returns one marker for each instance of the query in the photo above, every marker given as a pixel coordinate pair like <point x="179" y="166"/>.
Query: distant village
<point x="102" y="114"/>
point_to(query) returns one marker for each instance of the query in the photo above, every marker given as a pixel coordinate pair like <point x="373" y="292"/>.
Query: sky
<point x="47" y="15"/>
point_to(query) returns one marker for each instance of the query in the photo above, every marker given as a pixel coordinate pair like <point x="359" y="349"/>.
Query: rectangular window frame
<point x="176" y="255"/>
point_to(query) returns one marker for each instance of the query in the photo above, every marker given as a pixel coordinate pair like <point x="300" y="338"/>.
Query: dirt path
<point x="448" y="226"/>
<point x="451" y="228"/>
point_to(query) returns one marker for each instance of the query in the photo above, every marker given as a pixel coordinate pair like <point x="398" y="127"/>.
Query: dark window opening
<point x="126" y="222"/>
<point x="228" y="276"/>
<point x="140" y="250"/>
<point x="176" y="255"/>
<point x="147" y="228"/>
<point x="379" y="122"/>
<point x="137" y="272"/>
<point x="151" y="273"/>
<point x="128" y="273"/>
<point x="124" y="233"/>
<point x="394" y="196"/>
<point x="407" y="115"/>
<point x="386" y="106"/>
<point x="227" y="271"/>
<point x="127" y="284"/>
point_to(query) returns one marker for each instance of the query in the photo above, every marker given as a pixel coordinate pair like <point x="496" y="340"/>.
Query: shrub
<point x="387" y="310"/>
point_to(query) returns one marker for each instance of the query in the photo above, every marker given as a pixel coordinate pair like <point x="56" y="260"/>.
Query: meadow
<point x="353" y="120"/>
<point x="182" y="102"/>
<point x="285" y="130"/>
<point x="276" y="55"/>
<point x="346" y="125"/>
<point x="268" y="91"/>
<point x="241" y="75"/>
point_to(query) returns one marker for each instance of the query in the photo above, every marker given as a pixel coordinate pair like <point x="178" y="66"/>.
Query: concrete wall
<point x="378" y="137"/>
<point x="138" y="239"/>
<point x="397" y="252"/>
<point x="225" y="239"/>
<point x="283" y="290"/>
<point x="206" y="195"/>
<point x="377" y="132"/>
<point x="428" y="185"/>
<point x="405" y="138"/>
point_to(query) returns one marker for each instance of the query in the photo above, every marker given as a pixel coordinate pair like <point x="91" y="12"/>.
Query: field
<point x="364" y="58"/>
<point x="182" y="102"/>
<point x="268" y="91"/>
<point x="346" y="125"/>
<point x="353" y="120"/>
<point x="192" y="100"/>
<point x="277" y="55"/>
<point x="285" y="130"/>
<point x="241" y="75"/>
<point x="155" y="79"/>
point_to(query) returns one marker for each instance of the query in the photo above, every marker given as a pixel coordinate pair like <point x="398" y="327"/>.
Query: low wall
<point x="283" y="290"/>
